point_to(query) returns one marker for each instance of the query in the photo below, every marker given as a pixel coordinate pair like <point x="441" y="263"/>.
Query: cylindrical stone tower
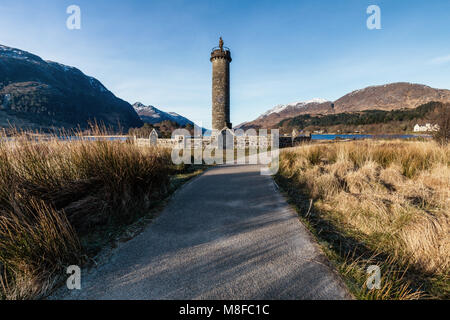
<point x="221" y="58"/>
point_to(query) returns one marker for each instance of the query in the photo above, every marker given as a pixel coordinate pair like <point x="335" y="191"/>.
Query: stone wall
<point x="239" y="142"/>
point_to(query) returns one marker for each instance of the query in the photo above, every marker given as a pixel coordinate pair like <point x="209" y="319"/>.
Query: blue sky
<point x="157" y="52"/>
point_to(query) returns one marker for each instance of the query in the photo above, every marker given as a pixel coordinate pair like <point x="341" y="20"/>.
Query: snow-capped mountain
<point x="39" y="94"/>
<point x="295" y="105"/>
<point x="150" y="114"/>
<point x="273" y="116"/>
<point x="381" y="97"/>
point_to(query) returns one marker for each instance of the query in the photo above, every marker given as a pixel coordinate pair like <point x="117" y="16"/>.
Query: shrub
<point x="443" y="135"/>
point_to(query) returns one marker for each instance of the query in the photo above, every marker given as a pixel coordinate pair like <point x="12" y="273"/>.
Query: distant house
<point x="426" y="128"/>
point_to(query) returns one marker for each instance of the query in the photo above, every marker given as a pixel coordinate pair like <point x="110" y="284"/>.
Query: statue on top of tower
<point x="221" y="44"/>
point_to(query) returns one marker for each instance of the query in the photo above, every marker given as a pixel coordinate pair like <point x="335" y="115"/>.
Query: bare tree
<point x="443" y="134"/>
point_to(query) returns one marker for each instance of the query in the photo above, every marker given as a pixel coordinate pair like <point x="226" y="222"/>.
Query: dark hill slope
<point x="42" y="94"/>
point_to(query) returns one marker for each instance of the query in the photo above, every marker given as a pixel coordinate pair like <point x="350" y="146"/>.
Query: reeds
<point x="55" y="191"/>
<point x="387" y="198"/>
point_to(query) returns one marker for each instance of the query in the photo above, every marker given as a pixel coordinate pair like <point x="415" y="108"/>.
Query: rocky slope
<point x="272" y="117"/>
<point x="390" y="97"/>
<point x="387" y="97"/>
<point x="152" y="115"/>
<point x="38" y="94"/>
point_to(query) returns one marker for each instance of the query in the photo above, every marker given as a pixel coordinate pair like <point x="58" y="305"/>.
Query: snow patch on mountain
<point x="13" y="53"/>
<point x="97" y="84"/>
<point x="154" y="115"/>
<point x="8" y="52"/>
<point x="62" y="66"/>
<point x="296" y="105"/>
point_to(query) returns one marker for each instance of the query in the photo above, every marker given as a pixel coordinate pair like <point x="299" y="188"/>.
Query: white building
<point x="426" y="128"/>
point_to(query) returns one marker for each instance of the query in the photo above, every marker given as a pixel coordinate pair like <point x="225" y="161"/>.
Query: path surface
<point x="227" y="234"/>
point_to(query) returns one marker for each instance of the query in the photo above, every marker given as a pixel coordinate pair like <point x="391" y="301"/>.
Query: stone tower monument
<point x="221" y="58"/>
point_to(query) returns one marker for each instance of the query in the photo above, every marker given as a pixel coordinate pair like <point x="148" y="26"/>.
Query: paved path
<point x="227" y="234"/>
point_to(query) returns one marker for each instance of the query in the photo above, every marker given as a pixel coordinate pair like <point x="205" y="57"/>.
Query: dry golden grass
<point x="54" y="192"/>
<point x="391" y="196"/>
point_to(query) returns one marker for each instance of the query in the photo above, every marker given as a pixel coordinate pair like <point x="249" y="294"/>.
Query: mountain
<point x="284" y="111"/>
<point x="152" y="115"/>
<point x="390" y="97"/>
<point x="38" y="94"/>
<point x="399" y="121"/>
<point x="386" y="97"/>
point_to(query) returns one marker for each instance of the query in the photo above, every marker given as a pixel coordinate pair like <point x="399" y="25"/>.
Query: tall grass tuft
<point x="37" y="242"/>
<point x="54" y="191"/>
<point x="389" y="199"/>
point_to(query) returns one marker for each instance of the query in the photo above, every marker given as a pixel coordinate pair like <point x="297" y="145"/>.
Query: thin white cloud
<point x="440" y="60"/>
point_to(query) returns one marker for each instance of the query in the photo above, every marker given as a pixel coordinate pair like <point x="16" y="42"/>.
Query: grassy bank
<point x="377" y="203"/>
<point x="60" y="202"/>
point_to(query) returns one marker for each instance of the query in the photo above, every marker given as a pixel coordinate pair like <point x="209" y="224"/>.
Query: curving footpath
<point x="227" y="234"/>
